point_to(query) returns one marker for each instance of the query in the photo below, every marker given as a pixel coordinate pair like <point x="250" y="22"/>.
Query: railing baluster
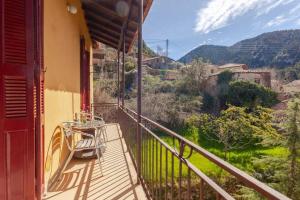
<point x="142" y="152"/>
<point x="180" y="178"/>
<point x="152" y="174"/>
<point x="172" y="180"/>
<point x="156" y="171"/>
<point x="189" y="184"/>
<point x="218" y="196"/>
<point x="201" y="190"/>
<point x="160" y="172"/>
<point x="167" y="175"/>
<point x="148" y="161"/>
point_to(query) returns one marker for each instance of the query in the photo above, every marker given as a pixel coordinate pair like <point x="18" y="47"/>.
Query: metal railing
<point x="166" y="170"/>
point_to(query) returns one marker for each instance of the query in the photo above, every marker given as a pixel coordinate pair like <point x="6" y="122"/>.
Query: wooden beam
<point x="105" y="36"/>
<point x="95" y="25"/>
<point x="105" y="30"/>
<point x="92" y="17"/>
<point x="110" y="12"/>
<point x="102" y="40"/>
<point x="89" y="14"/>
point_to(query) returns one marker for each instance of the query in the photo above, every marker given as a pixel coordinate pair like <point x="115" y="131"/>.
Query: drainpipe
<point x="139" y="96"/>
<point x="123" y="72"/>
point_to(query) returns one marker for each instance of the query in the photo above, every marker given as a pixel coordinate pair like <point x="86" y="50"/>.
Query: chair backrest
<point x="67" y="131"/>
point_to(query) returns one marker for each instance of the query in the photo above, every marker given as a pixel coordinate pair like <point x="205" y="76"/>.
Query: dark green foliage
<point x="236" y="128"/>
<point x="243" y="93"/>
<point x="129" y="64"/>
<point x="208" y="104"/>
<point x="166" y="87"/>
<point x="293" y="143"/>
<point x="270" y="170"/>
<point x="129" y="79"/>
<point x="289" y="74"/>
<point x="224" y="77"/>
<point x="148" y="51"/>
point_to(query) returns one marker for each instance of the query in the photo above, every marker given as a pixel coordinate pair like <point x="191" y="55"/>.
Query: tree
<point x="239" y="129"/>
<point x="236" y="128"/>
<point x="224" y="78"/>
<point x="244" y="93"/>
<point x="293" y="143"/>
<point x="193" y="77"/>
<point x="208" y="102"/>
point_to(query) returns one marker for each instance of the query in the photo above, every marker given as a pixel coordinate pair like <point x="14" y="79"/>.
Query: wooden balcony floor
<point x="82" y="179"/>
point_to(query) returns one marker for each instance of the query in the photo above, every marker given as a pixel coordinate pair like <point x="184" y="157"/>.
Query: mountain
<point x="274" y="49"/>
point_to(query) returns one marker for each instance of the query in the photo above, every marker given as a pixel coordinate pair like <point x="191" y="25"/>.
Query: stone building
<point x="160" y="62"/>
<point x="259" y="77"/>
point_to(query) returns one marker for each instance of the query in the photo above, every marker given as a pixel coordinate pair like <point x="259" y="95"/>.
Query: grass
<point x="241" y="159"/>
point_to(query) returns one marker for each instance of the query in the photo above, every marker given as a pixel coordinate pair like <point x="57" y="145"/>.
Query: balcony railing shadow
<point x="83" y="180"/>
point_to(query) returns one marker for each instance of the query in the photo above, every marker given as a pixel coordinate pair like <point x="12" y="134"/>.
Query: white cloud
<point x="277" y="21"/>
<point x="218" y="13"/>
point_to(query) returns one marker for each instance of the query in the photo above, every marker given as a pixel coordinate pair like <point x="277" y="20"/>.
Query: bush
<point x="235" y="128"/>
<point x="208" y="102"/>
<point x="244" y="93"/>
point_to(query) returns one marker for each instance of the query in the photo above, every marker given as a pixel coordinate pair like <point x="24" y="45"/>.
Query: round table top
<point x="88" y="125"/>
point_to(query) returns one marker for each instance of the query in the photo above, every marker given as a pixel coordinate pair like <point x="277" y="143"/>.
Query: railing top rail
<point x="248" y="180"/>
<point x="100" y="104"/>
<point x="203" y="176"/>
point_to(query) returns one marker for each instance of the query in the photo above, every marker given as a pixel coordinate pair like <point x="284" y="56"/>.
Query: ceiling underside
<point x="107" y="20"/>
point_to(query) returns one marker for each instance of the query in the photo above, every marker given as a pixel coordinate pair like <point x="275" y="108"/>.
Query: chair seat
<point x="85" y="144"/>
<point x="89" y="144"/>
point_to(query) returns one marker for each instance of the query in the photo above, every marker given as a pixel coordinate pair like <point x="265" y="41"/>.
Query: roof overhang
<point x="107" y="20"/>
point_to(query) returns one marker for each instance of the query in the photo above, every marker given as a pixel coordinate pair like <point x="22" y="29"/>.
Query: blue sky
<point x="190" y="23"/>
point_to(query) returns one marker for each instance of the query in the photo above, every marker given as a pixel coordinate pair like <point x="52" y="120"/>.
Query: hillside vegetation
<point x="275" y="49"/>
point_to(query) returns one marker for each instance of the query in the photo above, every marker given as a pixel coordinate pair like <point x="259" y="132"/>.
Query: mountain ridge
<point x="273" y="49"/>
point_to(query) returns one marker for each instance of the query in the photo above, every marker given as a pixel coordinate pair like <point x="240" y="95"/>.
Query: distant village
<point x="169" y="70"/>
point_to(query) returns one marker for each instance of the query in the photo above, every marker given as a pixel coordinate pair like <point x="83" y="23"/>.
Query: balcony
<point x="83" y="180"/>
<point x="164" y="169"/>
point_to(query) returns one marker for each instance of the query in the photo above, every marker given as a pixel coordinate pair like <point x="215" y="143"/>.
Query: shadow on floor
<point x="83" y="179"/>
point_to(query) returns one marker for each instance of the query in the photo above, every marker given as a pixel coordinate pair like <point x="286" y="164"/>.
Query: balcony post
<point x="118" y="77"/>
<point x="123" y="71"/>
<point x="139" y="92"/>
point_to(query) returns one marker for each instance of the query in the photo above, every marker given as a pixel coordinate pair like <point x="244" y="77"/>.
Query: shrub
<point x="244" y="93"/>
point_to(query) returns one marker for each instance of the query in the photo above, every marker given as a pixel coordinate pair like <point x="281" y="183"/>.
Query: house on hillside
<point x="171" y="75"/>
<point x="259" y="77"/>
<point x="160" y="62"/>
<point x="231" y="66"/>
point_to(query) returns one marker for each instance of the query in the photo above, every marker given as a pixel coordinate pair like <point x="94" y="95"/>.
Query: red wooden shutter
<point x="17" y="100"/>
<point x="87" y="84"/>
<point x="39" y="83"/>
<point x="84" y="77"/>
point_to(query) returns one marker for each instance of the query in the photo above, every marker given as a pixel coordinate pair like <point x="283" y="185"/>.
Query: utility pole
<point x="167" y="48"/>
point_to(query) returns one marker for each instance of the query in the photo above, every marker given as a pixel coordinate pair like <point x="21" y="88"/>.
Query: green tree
<point x="244" y="93"/>
<point x="239" y="129"/>
<point x="208" y="102"/>
<point x="293" y="143"/>
<point x="224" y="78"/>
<point x="193" y="77"/>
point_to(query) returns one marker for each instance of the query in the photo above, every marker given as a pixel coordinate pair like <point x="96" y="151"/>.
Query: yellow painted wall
<point x="62" y="32"/>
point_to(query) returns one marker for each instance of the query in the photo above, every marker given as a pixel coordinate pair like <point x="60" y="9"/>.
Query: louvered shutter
<point x="17" y="164"/>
